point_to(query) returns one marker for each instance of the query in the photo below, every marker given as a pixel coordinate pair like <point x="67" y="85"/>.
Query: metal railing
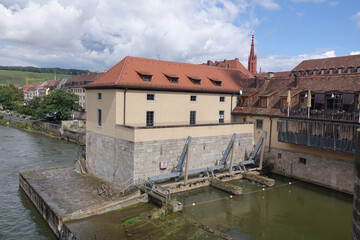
<point x="126" y="185"/>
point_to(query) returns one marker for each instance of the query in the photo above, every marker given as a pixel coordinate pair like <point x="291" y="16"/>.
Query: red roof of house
<point x="82" y="79"/>
<point x="328" y="63"/>
<point x="128" y="73"/>
<point x="233" y="64"/>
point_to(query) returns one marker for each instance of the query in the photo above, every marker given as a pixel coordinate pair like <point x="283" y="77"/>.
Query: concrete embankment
<point x="74" y="131"/>
<point x="60" y="195"/>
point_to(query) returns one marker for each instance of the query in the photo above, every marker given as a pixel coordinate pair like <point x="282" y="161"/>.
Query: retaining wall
<point x="321" y="170"/>
<point x="117" y="160"/>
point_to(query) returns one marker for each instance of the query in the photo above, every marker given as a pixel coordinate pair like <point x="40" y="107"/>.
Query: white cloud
<point x="96" y="34"/>
<point x="286" y="63"/>
<point x="355" y="53"/>
<point x="268" y="4"/>
<point x="356" y="18"/>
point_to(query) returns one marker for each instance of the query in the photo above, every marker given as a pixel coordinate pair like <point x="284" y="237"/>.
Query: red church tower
<point x="252" y="58"/>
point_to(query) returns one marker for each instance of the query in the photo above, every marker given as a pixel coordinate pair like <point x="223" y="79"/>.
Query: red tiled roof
<point x="126" y="74"/>
<point x="327" y="63"/>
<point x="233" y="64"/>
<point x="82" y="79"/>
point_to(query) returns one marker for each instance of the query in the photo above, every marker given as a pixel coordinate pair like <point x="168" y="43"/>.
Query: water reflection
<point x="296" y="211"/>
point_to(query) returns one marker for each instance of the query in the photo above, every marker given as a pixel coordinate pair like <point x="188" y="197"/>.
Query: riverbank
<point x="72" y="131"/>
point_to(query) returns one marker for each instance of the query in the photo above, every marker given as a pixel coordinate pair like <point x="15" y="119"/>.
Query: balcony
<point x="338" y="116"/>
<point x="339" y="137"/>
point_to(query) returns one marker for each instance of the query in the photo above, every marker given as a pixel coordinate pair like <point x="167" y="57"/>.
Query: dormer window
<point x="331" y="71"/>
<point x="146" y="77"/>
<point x="315" y="72"/>
<point x="195" y="80"/>
<point x="172" y="78"/>
<point x="293" y="74"/>
<point x="322" y="71"/>
<point x="216" y="82"/>
<point x="349" y="70"/>
<point x="339" y="70"/>
<point x="307" y="72"/>
<point x="299" y="73"/>
<point x="263" y="102"/>
<point x="358" y="70"/>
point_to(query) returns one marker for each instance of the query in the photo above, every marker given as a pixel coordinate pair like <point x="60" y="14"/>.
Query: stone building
<point x="141" y="111"/>
<point x="311" y="137"/>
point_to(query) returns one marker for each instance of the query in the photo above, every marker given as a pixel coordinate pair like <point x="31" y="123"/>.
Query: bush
<point x="130" y="221"/>
<point x="53" y="134"/>
<point x="23" y="125"/>
<point x="1" y="117"/>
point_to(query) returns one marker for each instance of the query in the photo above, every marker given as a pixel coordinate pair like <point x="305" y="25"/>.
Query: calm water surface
<point x="299" y="211"/>
<point x="20" y="151"/>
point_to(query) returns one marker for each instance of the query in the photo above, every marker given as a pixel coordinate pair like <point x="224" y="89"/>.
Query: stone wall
<point x="117" y="160"/>
<point x="356" y="201"/>
<point x="329" y="172"/>
<point x="204" y="152"/>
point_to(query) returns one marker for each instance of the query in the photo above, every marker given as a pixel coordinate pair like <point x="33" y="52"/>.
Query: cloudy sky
<point x="95" y="35"/>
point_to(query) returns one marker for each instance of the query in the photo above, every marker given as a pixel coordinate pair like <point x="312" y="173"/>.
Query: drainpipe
<point x="231" y="105"/>
<point x="125" y="104"/>
<point x="270" y="134"/>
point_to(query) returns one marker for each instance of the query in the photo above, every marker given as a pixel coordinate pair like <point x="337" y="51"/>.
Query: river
<point x="20" y="151"/>
<point x="299" y="211"/>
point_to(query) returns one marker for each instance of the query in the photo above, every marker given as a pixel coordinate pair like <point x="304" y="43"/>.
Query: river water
<point x="20" y="151"/>
<point x="299" y="211"/>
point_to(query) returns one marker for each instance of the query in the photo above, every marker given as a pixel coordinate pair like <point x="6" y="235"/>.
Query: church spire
<point x="252" y="62"/>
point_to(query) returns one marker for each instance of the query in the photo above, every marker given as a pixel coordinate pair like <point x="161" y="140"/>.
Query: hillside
<point x="18" y="77"/>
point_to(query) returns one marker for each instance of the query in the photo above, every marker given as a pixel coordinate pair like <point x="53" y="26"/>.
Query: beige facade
<point x="81" y="93"/>
<point x="120" y="107"/>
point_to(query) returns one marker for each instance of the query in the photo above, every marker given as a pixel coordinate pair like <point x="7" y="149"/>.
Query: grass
<point x="18" y="77"/>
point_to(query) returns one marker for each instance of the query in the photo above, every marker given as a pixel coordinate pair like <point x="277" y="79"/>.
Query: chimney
<point x="209" y="62"/>
<point x="255" y="81"/>
<point x="270" y="75"/>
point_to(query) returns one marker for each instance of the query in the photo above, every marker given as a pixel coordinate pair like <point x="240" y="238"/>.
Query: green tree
<point x="32" y="108"/>
<point x="11" y="97"/>
<point x="58" y="103"/>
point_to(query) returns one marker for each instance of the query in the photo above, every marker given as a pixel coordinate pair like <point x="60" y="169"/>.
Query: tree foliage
<point x="11" y="97"/>
<point x="45" y="70"/>
<point x="58" y="104"/>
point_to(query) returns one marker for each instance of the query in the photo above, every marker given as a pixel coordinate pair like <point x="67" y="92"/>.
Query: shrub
<point x="1" y="117"/>
<point x="23" y="125"/>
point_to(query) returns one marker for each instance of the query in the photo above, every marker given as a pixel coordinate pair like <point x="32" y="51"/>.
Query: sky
<point x="96" y="34"/>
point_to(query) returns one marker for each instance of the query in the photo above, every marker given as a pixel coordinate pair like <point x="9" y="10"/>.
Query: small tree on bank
<point x="11" y="97"/>
<point x="58" y="103"/>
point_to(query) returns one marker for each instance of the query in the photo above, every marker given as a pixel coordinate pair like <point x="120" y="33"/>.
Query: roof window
<point x="146" y="77"/>
<point x="172" y="78"/>
<point x="315" y="72"/>
<point x="331" y="71"/>
<point x="322" y="72"/>
<point x="358" y="70"/>
<point x="195" y="80"/>
<point x="349" y="70"/>
<point x="339" y="71"/>
<point x="307" y="73"/>
<point x="216" y="82"/>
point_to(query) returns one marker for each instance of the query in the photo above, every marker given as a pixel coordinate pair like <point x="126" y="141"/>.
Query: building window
<point x="322" y="71"/>
<point x="279" y="155"/>
<point x="221" y="116"/>
<point x="263" y="102"/>
<point x="150" y="97"/>
<point x="99" y="95"/>
<point x="334" y="102"/>
<point x="195" y="80"/>
<point x="193" y="98"/>
<point x="99" y="118"/>
<point x="349" y="69"/>
<point x="314" y="72"/>
<point x="192" y="117"/>
<point x="172" y="78"/>
<point x="307" y="72"/>
<point x="216" y="82"/>
<point x="222" y="99"/>
<point x="149" y="118"/>
<point x="259" y="124"/>
<point x="358" y="70"/>
<point x="340" y="70"/>
<point x="331" y="71"/>
<point x="302" y="160"/>
<point x="299" y="73"/>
